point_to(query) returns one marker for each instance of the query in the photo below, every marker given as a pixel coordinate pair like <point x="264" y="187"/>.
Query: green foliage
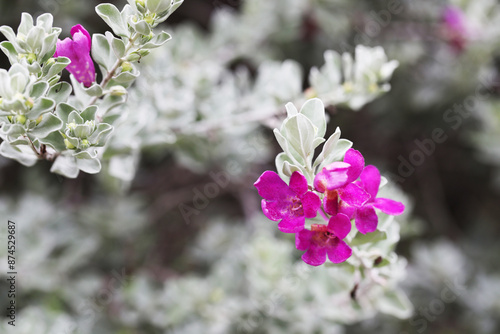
<point x="39" y="118"/>
<point x="301" y="132"/>
<point x="33" y="45"/>
<point x="355" y="82"/>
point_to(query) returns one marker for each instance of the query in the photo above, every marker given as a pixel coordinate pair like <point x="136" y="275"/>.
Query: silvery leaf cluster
<point x="300" y="134"/>
<point x="353" y="81"/>
<point x="42" y="118"/>
<point x="259" y="284"/>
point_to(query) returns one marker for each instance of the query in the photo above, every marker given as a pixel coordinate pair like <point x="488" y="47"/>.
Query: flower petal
<point x="273" y="210"/>
<point x="347" y="209"/>
<point x="339" y="251"/>
<point x="298" y="183"/>
<point x="85" y="36"/>
<point x="271" y="187"/>
<point x="80" y="44"/>
<point x="389" y="206"/>
<point x="340" y="225"/>
<point x="303" y="239"/>
<point x="331" y="202"/>
<point x="84" y="71"/>
<point x="366" y="219"/>
<point x="370" y="177"/>
<point x="64" y="48"/>
<point x="352" y="194"/>
<point x="292" y="224"/>
<point x="332" y="176"/>
<point x="311" y="204"/>
<point x="357" y="162"/>
<point x="314" y="256"/>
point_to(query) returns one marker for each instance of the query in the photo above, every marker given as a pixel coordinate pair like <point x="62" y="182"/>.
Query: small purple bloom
<point x="365" y="216"/>
<point x="291" y="204"/>
<point x="338" y="178"/>
<point x="454" y="27"/>
<point x="325" y="240"/>
<point x="78" y="51"/>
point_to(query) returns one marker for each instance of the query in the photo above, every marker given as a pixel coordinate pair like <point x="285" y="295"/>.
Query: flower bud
<point x="150" y="19"/>
<point x="127" y="67"/>
<point x="68" y="144"/>
<point x="70" y="126"/>
<point x="21" y="119"/>
<point x="147" y="38"/>
<point x="29" y="103"/>
<point x="85" y="143"/>
<point x="31" y="58"/>
<point x="118" y="91"/>
<point x="134" y="56"/>
<point x="39" y="119"/>
<point x="141" y="6"/>
<point x="348" y="87"/>
<point x="143" y="53"/>
<point x="310" y="93"/>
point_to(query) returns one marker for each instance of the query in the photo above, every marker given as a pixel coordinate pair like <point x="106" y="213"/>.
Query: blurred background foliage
<point x="79" y="236"/>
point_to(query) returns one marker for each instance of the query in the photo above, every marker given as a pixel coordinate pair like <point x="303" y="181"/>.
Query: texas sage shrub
<point x="328" y="200"/>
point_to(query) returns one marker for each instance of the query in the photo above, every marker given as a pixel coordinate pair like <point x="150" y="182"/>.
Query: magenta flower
<point x="336" y="180"/>
<point x="454" y="27"/>
<point x="323" y="240"/>
<point x="78" y="51"/>
<point x="365" y="216"/>
<point x="291" y="204"/>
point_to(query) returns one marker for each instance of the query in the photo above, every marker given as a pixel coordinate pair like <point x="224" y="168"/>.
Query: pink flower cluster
<point x="348" y="190"/>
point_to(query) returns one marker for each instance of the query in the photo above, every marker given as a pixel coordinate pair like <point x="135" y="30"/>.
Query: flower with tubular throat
<point x="291" y="204"/>
<point x="366" y="218"/>
<point x="78" y="51"/>
<point x="336" y="180"/>
<point x="325" y="240"/>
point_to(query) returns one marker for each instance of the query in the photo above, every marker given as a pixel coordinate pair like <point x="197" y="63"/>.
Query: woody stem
<point x="117" y="64"/>
<point x="34" y="148"/>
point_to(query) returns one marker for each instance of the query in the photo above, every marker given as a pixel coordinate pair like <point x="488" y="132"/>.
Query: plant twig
<point x="34" y="148"/>
<point x="117" y="64"/>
